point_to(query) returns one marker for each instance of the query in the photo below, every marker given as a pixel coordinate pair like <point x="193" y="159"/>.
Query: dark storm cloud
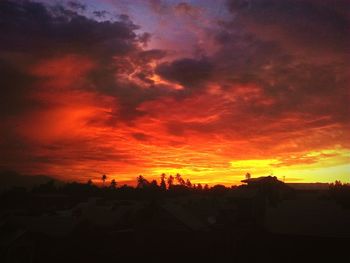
<point x="32" y="27"/>
<point x="34" y="35"/>
<point x="140" y="136"/>
<point x="76" y="5"/>
<point x="188" y="72"/>
<point x="293" y="83"/>
<point x="32" y="32"/>
<point x="100" y="14"/>
<point x="295" y="52"/>
<point x="16" y="85"/>
<point x="317" y="24"/>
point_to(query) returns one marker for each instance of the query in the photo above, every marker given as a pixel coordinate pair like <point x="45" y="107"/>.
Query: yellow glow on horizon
<point x="316" y="174"/>
<point x="326" y="165"/>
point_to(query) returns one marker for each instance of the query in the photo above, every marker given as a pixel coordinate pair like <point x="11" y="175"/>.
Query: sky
<point x="208" y="89"/>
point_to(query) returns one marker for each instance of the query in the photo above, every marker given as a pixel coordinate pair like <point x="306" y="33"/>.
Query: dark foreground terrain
<point x="264" y="220"/>
<point x="177" y="247"/>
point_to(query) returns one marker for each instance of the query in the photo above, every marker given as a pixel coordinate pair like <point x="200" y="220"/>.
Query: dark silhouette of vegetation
<point x="168" y="186"/>
<point x="188" y="183"/>
<point x="142" y="182"/>
<point x="170" y="181"/>
<point x="45" y="188"/>
<point x="113" y="184"/>
<point x="104" y="178"/>
<point x="154" y="185"/>
<point x="162" y="182"/>
<point x="341" y="193"/>
<point x="180" y="180"/>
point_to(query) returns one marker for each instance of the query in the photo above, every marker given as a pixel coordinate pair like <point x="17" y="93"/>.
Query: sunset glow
<point x="208" y="90"/>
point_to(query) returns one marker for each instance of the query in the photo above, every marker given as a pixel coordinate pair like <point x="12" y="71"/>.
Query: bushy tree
<point x="142" y="182"/>
<point x="113" y="184"/>
<point x="162" y="181"/>
<point x="188" y="183"/>
<point x="170" y="181"/>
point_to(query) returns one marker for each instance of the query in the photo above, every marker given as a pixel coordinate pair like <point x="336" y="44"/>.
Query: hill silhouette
<point x="9" y="179"/>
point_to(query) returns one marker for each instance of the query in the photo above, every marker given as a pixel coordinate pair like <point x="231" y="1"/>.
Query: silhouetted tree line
<point x="341" y="193"/>
<point x="167" y="186"/>
<point x="169" y="183"/>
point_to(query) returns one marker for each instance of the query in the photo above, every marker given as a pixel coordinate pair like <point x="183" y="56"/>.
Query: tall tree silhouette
<point x="170" y="181"/>
<point x="104" y="178"/>
<point x="154" y="185"/>
<point x="180" y="180"/>
<point x="142" y="182"/>
<point x="162" y="181"/>
<point x="188" y="183"/>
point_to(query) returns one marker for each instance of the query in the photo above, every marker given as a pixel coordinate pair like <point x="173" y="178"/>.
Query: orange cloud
<point x="96" y="102"/>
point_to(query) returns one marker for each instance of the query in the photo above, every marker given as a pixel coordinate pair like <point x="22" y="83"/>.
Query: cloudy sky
<point x="208" y="89"/>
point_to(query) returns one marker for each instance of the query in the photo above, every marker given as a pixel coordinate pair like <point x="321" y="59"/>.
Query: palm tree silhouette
<point x="104" y="177"/>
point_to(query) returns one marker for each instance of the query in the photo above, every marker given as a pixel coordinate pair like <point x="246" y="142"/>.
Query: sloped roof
<point x="261" y="179"/>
